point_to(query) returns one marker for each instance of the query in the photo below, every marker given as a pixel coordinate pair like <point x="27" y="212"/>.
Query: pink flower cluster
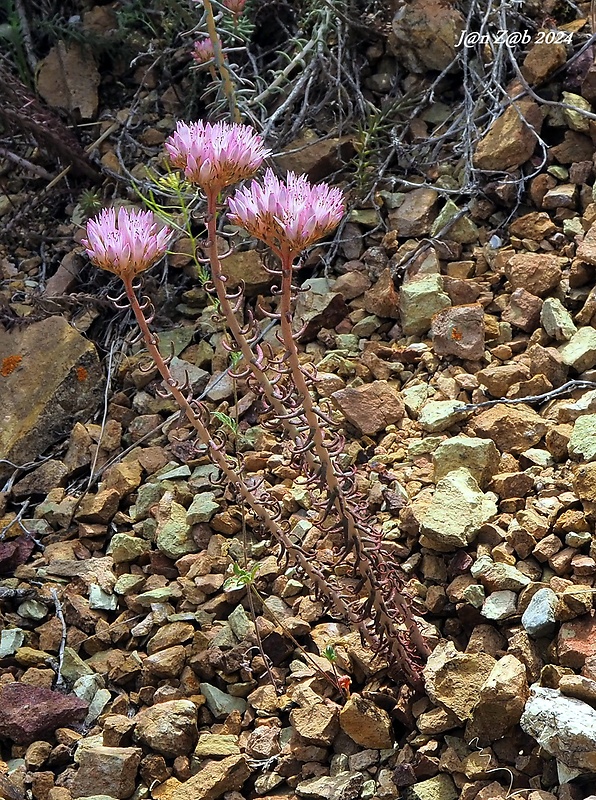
<point x="235" y="6"/>
<point x="215" y="156"/>
<point x="127" y="243"/>
<point x="288" y="216"/>
<point x="203" y="51"/>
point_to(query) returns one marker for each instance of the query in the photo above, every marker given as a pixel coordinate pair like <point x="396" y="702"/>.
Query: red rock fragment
<point x="14" y="553"/>
<point x="537" y="273"/>
<point x="29" y="713"/>
<point x="523" y="310"/>
<point x="577" y="641"/>
<point x="459" y="331"/>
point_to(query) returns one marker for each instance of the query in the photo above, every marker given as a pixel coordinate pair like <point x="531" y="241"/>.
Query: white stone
<point x="500" y="605"/>
<point x="563" y="726"/>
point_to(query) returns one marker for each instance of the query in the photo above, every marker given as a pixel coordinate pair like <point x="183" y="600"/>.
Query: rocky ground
<point x="457" y="343"/>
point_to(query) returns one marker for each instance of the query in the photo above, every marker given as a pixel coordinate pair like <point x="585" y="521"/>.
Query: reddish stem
<point x="228" y="312"/>
<point x="335" y="489"/>
<point x="219" y="459"/>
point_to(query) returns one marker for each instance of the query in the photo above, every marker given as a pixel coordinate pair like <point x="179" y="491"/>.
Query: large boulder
<point x="50" y="377"/>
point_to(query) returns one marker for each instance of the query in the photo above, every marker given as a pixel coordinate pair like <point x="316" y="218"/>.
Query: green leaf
<point x="240" y="578"/>
<point x="330" y="654"/>
<point x="227" y="421"/>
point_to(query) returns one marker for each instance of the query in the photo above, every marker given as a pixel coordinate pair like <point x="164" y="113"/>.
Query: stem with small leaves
<point x="235" y="328"/>
<point x="219" y="459"/>
<point x="335" y="489"/>
<point x="220" y="61"/>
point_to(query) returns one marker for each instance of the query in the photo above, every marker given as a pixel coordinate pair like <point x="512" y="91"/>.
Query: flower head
<point x="287" y="216"/>
<point x="215" y="156"/>
<point x="235" y="6"/>
<point x="127" y="243"/>
<point x="203" y="51"/>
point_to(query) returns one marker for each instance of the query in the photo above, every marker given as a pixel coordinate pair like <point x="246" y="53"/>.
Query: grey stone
<point x="265" y="784"/>
<point x="148" y="495"/>
<point x="463" y="230"/>
<point x="202" y="509"/>
<point x="174" y="531"/>
<point x="73" y="666"/>
<point x="173" y="472"/>
<point x="340" y="762"/>
<point x="539" y="457"/>
<point x="202" y="478"/>
<point x="240" y="623"/>
<point x="539" y="617"/>
<point x="128" y="583"/>
<point x="10" y="641"/>
<point x="221" y="704"/>
<point x="440" y="415"/>
<point x="366" y="326"/>
<point x="497" y="577"/>
<point x="32" y="609"/>
<point x="86" y="686"/>
<point x="347" y="341"/>
<point x="368" y="789"/>
<point x="475" y="595"/>
<point x="574" y="119"/>
<point x="415" y="397"/>
<point x="224" y="638"/>
<point x="100" y="700"/>
<point x="124" y="547"/>
<point x="578" y="538"/>
<point x="422" y="447"/>
<point x="175" y="340"/>
<point x="160" y="595"/>
<point x="100" y="600"/>
<point x="183" y="372"/>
